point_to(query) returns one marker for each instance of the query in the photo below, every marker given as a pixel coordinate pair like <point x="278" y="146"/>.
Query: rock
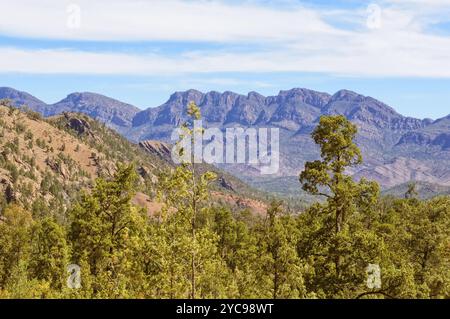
<point x="226" y="184"/>
<point x="78" y="125"/>
<point x="143" y="172"/>
<point x="159" y="149"/>
<point x="104" y="168"/>
<point x="9" y="192"/>
<point x="57" y="167"/>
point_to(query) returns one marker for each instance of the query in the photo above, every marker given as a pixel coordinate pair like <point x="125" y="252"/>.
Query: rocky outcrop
<point x="223" y="182"/>
<point x="79" y="125"/>
<point x="157" y="148"/>
<point x="58" y="167"/>
<point x="7" y="188"/>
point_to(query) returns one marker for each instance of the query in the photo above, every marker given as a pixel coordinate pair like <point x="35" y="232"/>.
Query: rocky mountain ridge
<point x="395" y="148"/>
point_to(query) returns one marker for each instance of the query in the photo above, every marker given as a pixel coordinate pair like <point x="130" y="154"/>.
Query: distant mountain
<point x="369" y="112"/>
<point x="296" y="110"/>
<point x="107" y="110"/>
<point x="436" y="135"/>
<point x="20" y="98"/>
<point x="289" y="110"/>
<point x="396" y="148"/>
<point x="99" y="107"/>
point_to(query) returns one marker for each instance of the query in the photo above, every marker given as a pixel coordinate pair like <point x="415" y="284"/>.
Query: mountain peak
<point x="101" y="107"/>
<point x="188" y="93"/>
<point x="346" y="95"/>
<point x="186" y="97"/>
<point x="90" y="96"/>
<point x="300" y="91"/>
<point x="8" y="90"/>
<point x="302" y="95"/>
<point x="20" y="98"/>
<point x="255" y="95"/>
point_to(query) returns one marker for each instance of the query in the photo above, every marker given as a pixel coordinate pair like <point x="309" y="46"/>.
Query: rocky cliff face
<point x="436" y="134"/>
<point x="289" y="107"/>
<point x="160" y="149"/>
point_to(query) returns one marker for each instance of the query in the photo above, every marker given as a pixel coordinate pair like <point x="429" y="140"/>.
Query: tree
<point x="412" y="191"/>
<point x="239" y="246"/>
<point x="280" y="260"/>
<point x="418" y="236"/>
<point x="20" y="285"/>
<point x="103" y="230"/>
<point x="49" y="253"/>
<point x="340" y="242"/>
<point x="15" y="226"/>
<point x="334" y="135"/>
<point x="185" y="195"/>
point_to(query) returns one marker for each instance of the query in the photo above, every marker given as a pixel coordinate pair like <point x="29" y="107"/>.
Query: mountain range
<point x="396" y="149"/>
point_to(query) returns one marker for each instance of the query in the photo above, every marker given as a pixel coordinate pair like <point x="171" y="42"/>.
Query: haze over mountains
<point x="396" y="149"/>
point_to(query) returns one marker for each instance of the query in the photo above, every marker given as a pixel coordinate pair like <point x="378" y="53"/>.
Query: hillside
<point x="44" y="163"/>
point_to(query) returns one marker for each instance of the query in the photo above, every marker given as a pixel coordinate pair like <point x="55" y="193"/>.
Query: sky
<point x="141" y="51"/>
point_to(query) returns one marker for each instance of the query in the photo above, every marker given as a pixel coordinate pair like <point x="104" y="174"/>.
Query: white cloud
<point x="174" y="20"/>
<point x="289" y="40"/>
<point x="439" y="3"/>
<point x="421" y="13"/>
<point x="359" y="56"/>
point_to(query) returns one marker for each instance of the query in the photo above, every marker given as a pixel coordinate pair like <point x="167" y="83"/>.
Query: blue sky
<point x="141" y="51"/>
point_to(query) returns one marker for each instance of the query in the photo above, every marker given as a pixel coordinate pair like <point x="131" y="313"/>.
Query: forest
<point x="352" y="243"/>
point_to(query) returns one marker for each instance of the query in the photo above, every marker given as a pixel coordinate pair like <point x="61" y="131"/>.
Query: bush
<point x="28" y="135"/>
<point x="32" y="115"/>
<point x="20" y="128"/>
